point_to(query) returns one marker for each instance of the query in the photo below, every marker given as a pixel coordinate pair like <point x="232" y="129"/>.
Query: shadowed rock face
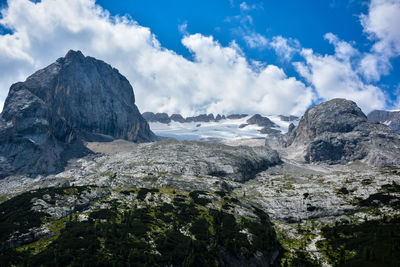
<point x="33" y="140"/>
<point x="45" y="117"/>
<point x="337" y="131"/>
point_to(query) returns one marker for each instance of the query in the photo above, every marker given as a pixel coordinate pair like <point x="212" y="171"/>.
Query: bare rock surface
<point x="90" y="96"/>
<point x="77" y="98"/>
<point x="337" y="131"/>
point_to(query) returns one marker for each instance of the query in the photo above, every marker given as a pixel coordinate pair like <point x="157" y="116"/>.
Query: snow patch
<point x="223" y="129"/>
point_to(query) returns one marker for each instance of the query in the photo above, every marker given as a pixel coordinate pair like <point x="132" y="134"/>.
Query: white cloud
<point x="343" y="50"/>
<point x="334" y="76"/>
<point x="255" y="40"/>
<point x="382" y="25"/>
<point x="218" y="80"/>
<point x="285" y="48"/>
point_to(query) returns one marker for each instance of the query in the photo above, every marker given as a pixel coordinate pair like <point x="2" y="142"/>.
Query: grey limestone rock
<point x="45" y="118"/>
<point x="158" y="117"/>
<point x="90" y="96"/>
<point x="178" y="118"/>
<point x="261" y="121"/>
<point x="337" y="131"/>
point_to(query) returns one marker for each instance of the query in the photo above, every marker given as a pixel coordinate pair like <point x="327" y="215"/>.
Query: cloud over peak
<point x="220" y="79"/>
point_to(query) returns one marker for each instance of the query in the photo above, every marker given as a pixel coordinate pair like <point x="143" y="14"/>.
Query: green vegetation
<point x="17" y="214"/>
<point x="371" y="243"/>
<point x="387" y="196"/>
<point x="186" y="232"/>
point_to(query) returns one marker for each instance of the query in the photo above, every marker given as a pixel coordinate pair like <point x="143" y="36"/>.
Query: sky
<point x="225" y="56"/>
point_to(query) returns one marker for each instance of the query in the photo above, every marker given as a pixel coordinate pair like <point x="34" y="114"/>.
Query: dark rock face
<point x="219" y="117"/>
<point x="158" y="117"/>
<point x="178" y="118"/>
<point x="164" y="118"/>
<point x="33" y="139"/>
<point x="261" y="121"/>
<point x="45" y="118"/>
<point x="236" y="116"/>
<point x="201" y="118"/>
<point x="337" y="131"/>
<point x="390" y="118"/>
<point x="149" y="116"/>
<point x="291" y="128"/>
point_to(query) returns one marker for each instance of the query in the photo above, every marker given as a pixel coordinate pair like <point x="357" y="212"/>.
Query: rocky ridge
<point x="255" y="119"/>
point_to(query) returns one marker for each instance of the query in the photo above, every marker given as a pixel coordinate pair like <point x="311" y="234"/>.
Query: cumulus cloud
<point x="381" y="24"/>
<point x="338" y="75"/>
<point x="219" y="79"/>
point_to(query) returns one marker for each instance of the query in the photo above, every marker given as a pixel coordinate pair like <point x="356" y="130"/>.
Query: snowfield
<point x="207" y="131"/>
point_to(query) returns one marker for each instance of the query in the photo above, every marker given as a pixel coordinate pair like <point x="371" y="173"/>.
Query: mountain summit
<point x="90" y="96"/>
<point x="76" y="98"/>
<point x="337" y="131"/>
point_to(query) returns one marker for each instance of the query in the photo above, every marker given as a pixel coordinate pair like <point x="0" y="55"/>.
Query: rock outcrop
<point x="164" y="118"/>
<point x="158" y="117"/>
<point x="390" y="118"/>
<point x="201" y="118"/>
<point x="337" y="131"/>
<point x="45" y="118"/>
<point x="178" y="118"/>
<point x="261" y="121"/>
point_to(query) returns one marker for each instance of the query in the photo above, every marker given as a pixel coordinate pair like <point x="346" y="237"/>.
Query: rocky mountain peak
<point x="75" y="98"/>
<point x="74" y="55"/>
<point x="334" y="116"/>
<point x="91" y="96"/>
<point x="337" y="131"/>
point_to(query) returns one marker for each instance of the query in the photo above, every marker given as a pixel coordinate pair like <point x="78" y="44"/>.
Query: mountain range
<point x="85" y="181"/>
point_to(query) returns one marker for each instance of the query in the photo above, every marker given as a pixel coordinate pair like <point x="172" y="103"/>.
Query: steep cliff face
<point x="33" y="140"/>
<point x="90" y="96"/>
<point x="45" y="118"/>
<point x="337" y="131"/>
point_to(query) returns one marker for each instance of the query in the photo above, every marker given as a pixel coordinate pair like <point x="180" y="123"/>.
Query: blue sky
<point x="306" y="21"/>
<point x="218" y="56"/>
